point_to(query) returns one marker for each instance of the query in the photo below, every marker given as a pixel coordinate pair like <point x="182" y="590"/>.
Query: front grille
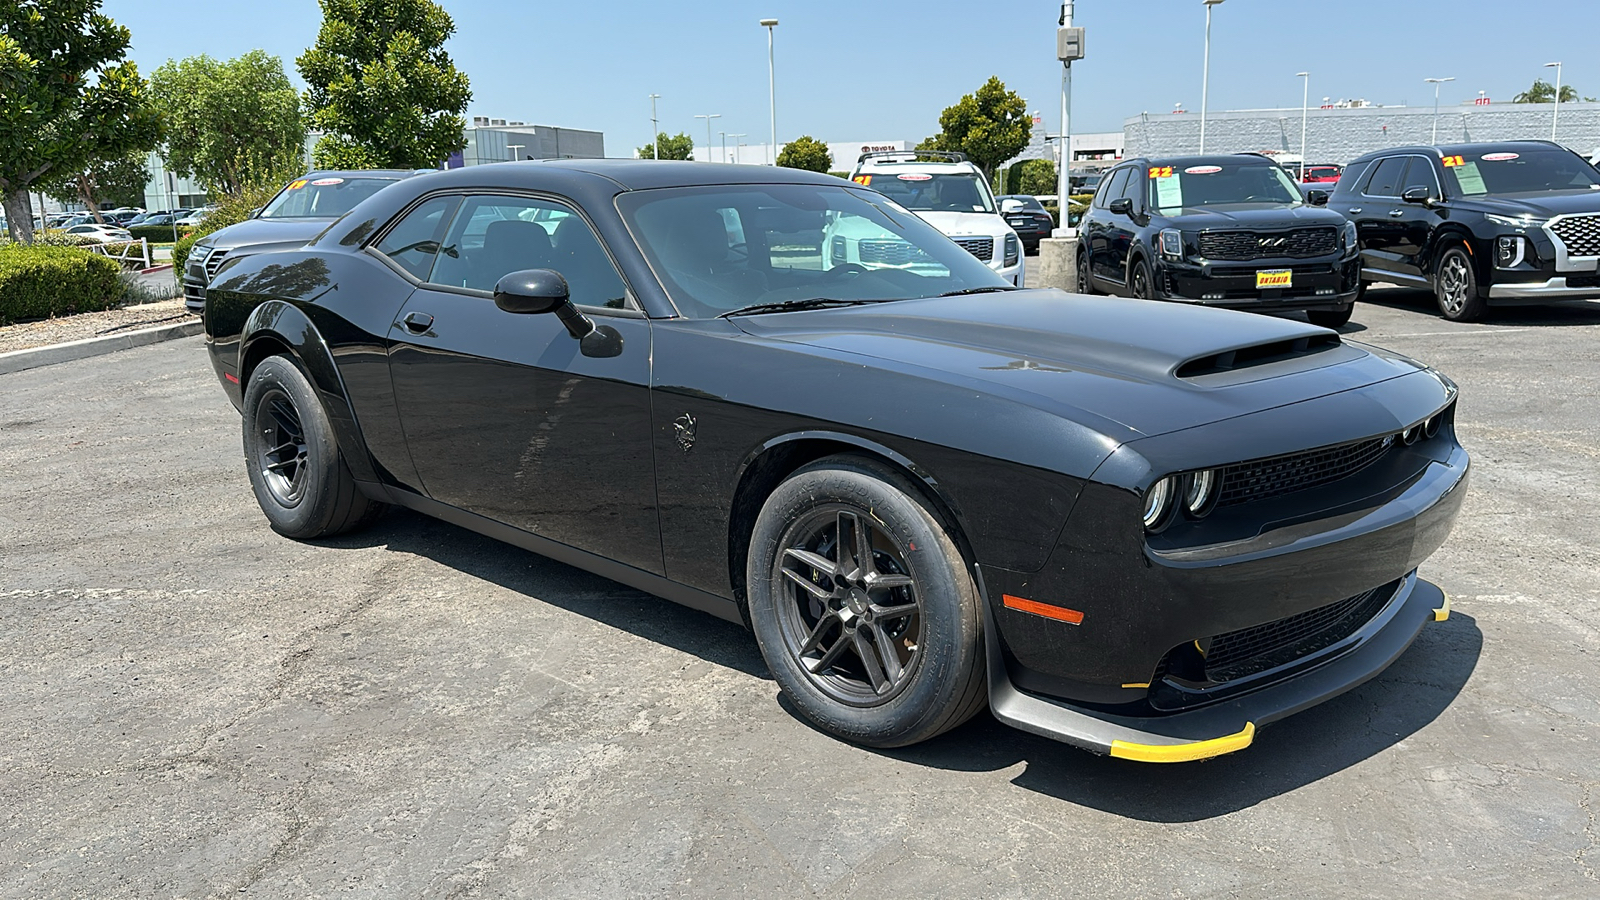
<point x="195" y="292"/>
<point x="1239" y="654"/>
<point x="1273" y="477"/>
<point x="1581" y="234"/>
<point x="891" y="253"/>
<point x="1583" y="281"/>
<point x="981" y="247"/>
<point x="1297" y="243"/>
<point x="213" y="263"/>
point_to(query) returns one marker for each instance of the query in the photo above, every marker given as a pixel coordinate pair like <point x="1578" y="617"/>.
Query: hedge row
<point x="37" y="282"/>
<point x="153" y="233"/>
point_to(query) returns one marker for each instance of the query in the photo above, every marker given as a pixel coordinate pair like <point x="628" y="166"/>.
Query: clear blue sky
<point x="883" y="71"/>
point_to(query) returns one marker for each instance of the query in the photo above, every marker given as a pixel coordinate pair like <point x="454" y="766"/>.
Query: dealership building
<point x="1338" y="135"/>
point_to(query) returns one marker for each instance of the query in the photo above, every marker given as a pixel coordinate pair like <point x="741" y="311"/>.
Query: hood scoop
<point x="1226" y="366"/>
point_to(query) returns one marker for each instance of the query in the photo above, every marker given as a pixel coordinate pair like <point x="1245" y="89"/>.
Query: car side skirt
<point x="1223" y="727"/>
<point x="639" y="579"/>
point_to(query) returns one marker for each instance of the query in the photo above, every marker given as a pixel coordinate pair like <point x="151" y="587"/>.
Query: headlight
<point x="1201" y="492"/>
<point x="1013" y="250"/>
<point x="1172" y="243"/>
<point x="837" y="252"/>
<point x="1158" y="503"/>
<point x="1510" y="250"/>
<point x="1513" y="222"/>
<point x="1348" y="235"/>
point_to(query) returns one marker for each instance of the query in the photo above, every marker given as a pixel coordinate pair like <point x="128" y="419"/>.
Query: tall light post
<point x="736" y="145"/>
<point x="1556" y="115"/>
<point x="724" y="156"/>
<point x="772" y="91"/>
<point x="513" y="148"/>
<point x="1305" y="104"/>
<point x="1436" y="82"/>
<point x="1205" y="74"/>
<point x="708" y="119"/>
<point x="655" y="135"/>
<point x="1069" y="47"/>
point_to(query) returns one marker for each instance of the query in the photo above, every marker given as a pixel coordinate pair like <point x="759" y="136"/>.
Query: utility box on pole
<point x="1069" y="44"/>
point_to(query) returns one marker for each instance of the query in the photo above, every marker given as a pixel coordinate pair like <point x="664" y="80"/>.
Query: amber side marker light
<point x="1059" y="613"/>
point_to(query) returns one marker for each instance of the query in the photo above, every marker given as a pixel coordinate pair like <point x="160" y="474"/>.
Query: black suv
<point x="1219" y="230"/>
<point x="1479" y="224"/>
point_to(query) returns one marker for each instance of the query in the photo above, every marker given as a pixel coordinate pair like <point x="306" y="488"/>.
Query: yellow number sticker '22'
<point x="297" y="185"/>
<point x="1453" y="161"/>
<point x="1160" y="171"/>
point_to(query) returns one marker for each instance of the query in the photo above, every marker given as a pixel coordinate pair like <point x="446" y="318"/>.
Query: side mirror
<point x="1417" y="195"/>
<point x="536" y="291"/>
<point x="1317" y="198"/>
<point x="1121" y="206"/>
<point x="1007" y="206"/>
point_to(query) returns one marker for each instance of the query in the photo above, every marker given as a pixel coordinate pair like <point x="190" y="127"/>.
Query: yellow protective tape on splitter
<point x="1171" y="753"/>
<point x="1443" y="612"/>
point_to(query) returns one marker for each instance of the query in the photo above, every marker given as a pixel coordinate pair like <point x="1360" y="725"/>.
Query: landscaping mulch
<point x="63" y="329"/>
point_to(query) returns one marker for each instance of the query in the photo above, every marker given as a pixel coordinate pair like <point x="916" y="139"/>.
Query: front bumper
<point x="1228" y="726"/>
<point x="1324" y="284"/>
<point x="1560" y="287"/>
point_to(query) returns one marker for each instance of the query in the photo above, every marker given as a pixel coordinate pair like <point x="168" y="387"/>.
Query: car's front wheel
<point x="1085" y="280"/>
<point x="863" y="606"/>
<point x="296" y="468"/>
<point x="1140" y="283"/>
<point x="1455" y="287"/>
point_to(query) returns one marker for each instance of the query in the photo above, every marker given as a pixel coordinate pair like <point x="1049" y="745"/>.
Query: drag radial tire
<point x="296" y="468"/>
<point x="863" y="606"/>
<point x="1455" y="286"/>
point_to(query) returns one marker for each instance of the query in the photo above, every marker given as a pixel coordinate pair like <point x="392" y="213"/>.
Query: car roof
<point x="627" y="174"/>
<point x="391" y="174"/>
<point x="953" y="168"/>
<point x="1440" y="150"/>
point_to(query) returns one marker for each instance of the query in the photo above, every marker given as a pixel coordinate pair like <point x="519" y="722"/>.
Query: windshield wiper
<point x="980" y="290"/>
<point x="792" y="305"/>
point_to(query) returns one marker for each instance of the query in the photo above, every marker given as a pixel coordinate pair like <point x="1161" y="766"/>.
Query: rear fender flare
<point x="277" y="323"/>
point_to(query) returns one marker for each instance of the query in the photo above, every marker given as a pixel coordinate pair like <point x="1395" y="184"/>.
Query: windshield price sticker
<point x="1451" y="162"/>
<point x="1499" y="157"/>
<point x="297" y="185"/>
<point x="1169" y="191"/>
<point x="1470" y="179"/>
<point x="1160" y="171"/>
<point x="914" y="176"/>
<point x="324" y="182"/>
<point x="1202" y="170"/>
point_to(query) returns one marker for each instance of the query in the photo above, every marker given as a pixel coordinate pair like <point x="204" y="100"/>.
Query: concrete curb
<point x="33" y="358"/>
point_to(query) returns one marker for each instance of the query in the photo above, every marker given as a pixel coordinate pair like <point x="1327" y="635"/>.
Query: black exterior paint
<point x="1035" y="420"/>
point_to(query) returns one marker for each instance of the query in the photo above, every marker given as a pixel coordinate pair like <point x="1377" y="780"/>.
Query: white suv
<point x="951" y="195"/>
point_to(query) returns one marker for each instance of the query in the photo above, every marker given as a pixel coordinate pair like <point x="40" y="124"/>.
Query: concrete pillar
<point x="1058" y="264"/>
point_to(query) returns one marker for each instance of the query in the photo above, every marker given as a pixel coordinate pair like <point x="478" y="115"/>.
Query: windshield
<point x="721" y="248"/>
<point x="328" y="196"/>
<point x="1520" y="172"/>
<point x="925" y="192"/>
<point x="1217" y="184"/>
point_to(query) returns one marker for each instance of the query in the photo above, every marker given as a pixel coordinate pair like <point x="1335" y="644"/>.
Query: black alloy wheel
<point x="864" y="608"/>
<point x="1455" y="287"/>
<point x="1085" y="279"/>
<point x="1139" y="281"/>
<point x="297" y="470"/>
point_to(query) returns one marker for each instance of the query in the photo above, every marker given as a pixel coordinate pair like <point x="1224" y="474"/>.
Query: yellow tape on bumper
<point x="1170" y="753"/>
<point x="1443" y="612"/>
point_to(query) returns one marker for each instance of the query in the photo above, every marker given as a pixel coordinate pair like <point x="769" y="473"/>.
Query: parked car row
<point x="1479" y="225"/>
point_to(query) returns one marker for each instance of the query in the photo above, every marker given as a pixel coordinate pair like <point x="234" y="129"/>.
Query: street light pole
<point x="1556" y="115"/>
<point x="708" y="119"/>
<point x="513" y="148"/>
<point x="1064" y="139"/>
<point x="655" y="136"/>
<point x="1305" y="104"/>
<point x="1205" y="75"/>
<point x="1436" y="82"/>
<point x="772" y="91"/>
<point x="736" y="146"/>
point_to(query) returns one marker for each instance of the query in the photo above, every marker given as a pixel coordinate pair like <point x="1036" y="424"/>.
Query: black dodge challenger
<point x="1143" y="531"/>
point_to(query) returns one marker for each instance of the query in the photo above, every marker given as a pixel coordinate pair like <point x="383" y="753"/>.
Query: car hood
<point x="267" y="231"/>
<point x="1252" y="215"/>
<point x="1144" y="367"/>
<point x="1541" y="205"/>
<point x="960" y="223"/>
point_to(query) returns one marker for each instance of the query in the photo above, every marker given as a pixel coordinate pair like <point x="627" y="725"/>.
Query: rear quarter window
<point x="1351" y="177"/>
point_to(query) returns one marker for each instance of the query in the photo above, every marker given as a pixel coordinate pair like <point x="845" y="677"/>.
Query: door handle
<point x="1396" y="213"/>
<point x="417" y="322"/>
<point x="1355" y="209"/>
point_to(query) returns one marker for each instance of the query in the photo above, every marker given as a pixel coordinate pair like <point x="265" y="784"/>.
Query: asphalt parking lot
<point x="191" y="705"/>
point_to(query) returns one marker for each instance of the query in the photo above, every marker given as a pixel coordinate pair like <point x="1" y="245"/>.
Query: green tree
<point x="806" y="152"/>
<point x="1031" y="176"/>
<point x="381" y="87"/>
<point x="1544" y="92"/>
<point x="680" y="146"/>
<point x="230" y="124"/>
<point x="104" y="182"/>
<point x="990" y="126"/>
<point x="69" y="98"/>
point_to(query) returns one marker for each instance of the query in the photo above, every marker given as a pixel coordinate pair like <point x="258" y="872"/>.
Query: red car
<point x="1318" y="174"/>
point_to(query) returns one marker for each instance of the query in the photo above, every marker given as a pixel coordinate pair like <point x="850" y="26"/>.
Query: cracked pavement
<point x="191" y="705"/>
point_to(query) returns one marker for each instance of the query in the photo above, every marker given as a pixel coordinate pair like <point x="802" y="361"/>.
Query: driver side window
<point x="493" y="236"/>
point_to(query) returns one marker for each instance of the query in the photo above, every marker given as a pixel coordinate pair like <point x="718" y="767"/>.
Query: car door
<point x="1377" y="213"/>
<point x="1417" y="221"/>
<point x="503" y="413"/>
<point x="1100" y="232"/>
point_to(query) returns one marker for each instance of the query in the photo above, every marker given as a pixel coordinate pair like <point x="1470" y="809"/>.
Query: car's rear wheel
<point x="863" y="606"/>
<point x="1330" y="318"/>
<point x="1085" y="280"/>
<point x="1140" y="284"/>
<point x="1455" y="287"/>
<point x="297" y="470"/>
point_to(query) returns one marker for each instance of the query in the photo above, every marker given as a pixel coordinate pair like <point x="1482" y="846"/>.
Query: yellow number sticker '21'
<point x="297" y="185"/>
<point x="1160" y="171"/>
<point x="1453" y="161"/>
<point x="863" y="179"/>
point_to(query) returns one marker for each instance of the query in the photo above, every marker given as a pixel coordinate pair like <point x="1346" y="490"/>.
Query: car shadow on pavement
<point x="1286" y="755"/>
<point x="558" y="584"/>
<point x="1544" y="315"/>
